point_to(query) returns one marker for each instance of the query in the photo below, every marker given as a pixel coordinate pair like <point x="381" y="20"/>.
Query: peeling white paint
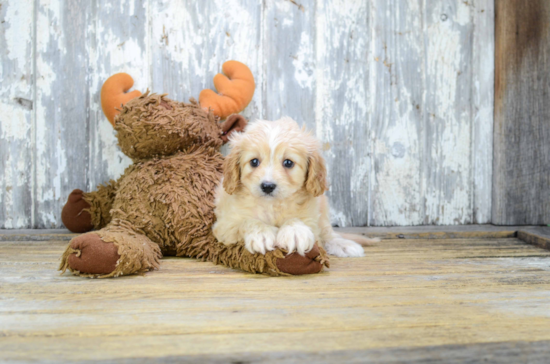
<point x="380" y="82"/>
<point x="338" y="218"/>
<point x="44" y="81"/>
<point x="449" y="190"/>
<point x="18" y="31"/>
<point x="123" y="49"/>
<point x="16" y="95"/>
<point x="49" y="18"/>
<point x="463" y="13"/>
<point x="14" y="122"/>
<point x="398" y="179"/>
<point x="303" y="62"/>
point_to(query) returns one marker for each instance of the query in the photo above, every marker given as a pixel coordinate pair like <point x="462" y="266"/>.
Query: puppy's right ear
<point x="232" y="171"/>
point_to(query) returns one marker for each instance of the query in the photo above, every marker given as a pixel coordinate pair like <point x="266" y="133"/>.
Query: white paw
<point x="344" y="248"/>
<point x="297" y="237"/>
<point x="261" y="240"/>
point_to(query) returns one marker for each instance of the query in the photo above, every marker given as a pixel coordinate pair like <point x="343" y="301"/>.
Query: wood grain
<point x="502" y="352"/>
<point x="538" y="236"/>
<point x="447" y="168"/>
<point x="397" y="92"/>
<point x="521" y="178"/>
<point x="395" y="232"/>
<point x="191" y="40"/>
<point x="118" y="42"/>
<point x="342" y="96"/>
<point x="400" y="94"/>
<point x="405" y="296"/>
<point x="290" y="62"/>
<point x="16" y="113"/>
<point x="62" y="134"/>
<point x="482" y="104"/>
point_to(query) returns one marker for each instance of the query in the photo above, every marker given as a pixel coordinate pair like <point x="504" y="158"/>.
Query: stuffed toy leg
<point x="118" y="250"/>
<point x="86" y="211"/>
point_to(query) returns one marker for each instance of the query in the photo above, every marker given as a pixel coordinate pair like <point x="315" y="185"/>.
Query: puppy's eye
<point x="287" y="163"/>
<point x="255" y="162"/>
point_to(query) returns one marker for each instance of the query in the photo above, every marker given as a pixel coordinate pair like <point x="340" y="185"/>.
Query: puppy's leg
<point x="342" y="247"/>
<point x="258" y="237"/>
<point x="231" y="228"/>
<point x="295" y="235"/>
<point x="335" y="244"/>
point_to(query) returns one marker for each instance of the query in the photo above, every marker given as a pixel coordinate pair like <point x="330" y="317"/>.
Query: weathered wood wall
<point x="399" y="91"/>
<point x="521" y="192"/>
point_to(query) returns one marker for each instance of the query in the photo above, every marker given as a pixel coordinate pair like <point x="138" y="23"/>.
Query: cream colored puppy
<point x="272" y="193"/>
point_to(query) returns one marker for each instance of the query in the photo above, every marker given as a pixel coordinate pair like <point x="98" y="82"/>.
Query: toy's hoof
<point x="296" y="264"/>
<point x="91" y="255"/>
<point x="73" y="215"/>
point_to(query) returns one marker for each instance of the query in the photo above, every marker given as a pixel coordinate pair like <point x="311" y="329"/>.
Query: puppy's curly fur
<point x="272" y="193"/>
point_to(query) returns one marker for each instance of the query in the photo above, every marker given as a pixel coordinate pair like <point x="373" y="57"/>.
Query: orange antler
<point x="235" y="90"/>
<point x="113" y="94"/>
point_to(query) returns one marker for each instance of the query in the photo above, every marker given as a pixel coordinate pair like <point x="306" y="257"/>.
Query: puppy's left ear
<point x="316" y="181"/>
<point x="233" y="123"/>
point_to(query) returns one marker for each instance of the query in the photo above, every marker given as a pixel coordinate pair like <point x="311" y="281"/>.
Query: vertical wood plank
<point x="190" y="40"/>
<point x="289" y="46"/>
<point x="119" y="43"/>
<point x="16" y="110"/>
<point x="483" y="84"/>
<point x="397" y="110"/>
<point x="62" y="135"/>
<point x="521" y="167"/>
<point x="447" y="112"/>
<point x="341" y="106"/>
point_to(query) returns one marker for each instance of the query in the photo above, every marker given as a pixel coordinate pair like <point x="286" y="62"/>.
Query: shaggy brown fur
<point x="163" y="204"/>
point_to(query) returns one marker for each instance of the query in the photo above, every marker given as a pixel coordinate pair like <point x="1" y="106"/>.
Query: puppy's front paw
<point x="344" y="248"/>
<point x="297" y="237"/>
<point x="261" y="240"/>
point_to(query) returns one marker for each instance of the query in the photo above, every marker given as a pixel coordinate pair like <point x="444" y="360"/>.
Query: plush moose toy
<point x="163" y="204"/>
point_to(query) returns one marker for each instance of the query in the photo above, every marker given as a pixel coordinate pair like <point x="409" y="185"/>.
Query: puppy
<point x="271" y="194"/>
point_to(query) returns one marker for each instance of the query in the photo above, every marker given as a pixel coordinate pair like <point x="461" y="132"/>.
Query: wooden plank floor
<point x="407" y="300"/>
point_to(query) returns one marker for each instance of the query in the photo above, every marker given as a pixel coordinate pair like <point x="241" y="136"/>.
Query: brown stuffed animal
<point x="163" y="204"/>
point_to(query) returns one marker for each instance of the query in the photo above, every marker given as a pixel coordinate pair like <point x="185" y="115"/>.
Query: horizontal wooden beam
<point x="397" y="232"/>
<point x="435" y="232"/>
<point x="539" y="236"/>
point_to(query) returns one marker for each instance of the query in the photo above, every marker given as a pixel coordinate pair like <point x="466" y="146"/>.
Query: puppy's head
<point x="275" y="159"/>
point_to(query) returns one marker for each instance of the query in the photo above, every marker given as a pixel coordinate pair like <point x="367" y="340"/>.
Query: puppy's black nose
<point x="268" y="187"/>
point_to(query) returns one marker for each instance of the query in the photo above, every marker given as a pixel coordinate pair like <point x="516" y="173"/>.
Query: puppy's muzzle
<point x="268" y="187"/>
